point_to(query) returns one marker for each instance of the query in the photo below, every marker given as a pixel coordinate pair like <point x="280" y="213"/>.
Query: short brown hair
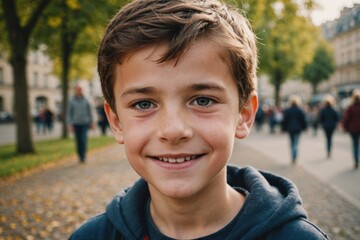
<point x="179" y="23"/>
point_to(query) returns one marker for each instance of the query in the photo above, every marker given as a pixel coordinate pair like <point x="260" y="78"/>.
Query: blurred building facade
<point x="344" y="36"/>
<point x="43" y="87"/>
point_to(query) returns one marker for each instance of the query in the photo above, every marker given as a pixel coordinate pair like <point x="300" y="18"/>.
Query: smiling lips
<point x="178" y="159"/>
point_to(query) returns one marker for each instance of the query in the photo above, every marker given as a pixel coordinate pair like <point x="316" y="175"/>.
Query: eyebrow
<point x="206" y="86"/>
<point x="139" y="90"/>
<point x="192" y="87"/>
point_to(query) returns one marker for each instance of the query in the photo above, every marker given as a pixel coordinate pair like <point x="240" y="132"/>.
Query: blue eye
<point x="203" y="101"/>
<point x="143" y="105"/>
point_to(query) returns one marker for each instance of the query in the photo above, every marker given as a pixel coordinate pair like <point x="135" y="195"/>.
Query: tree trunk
<point x="19" y="36"/>
<point x="23" y="121"/>
<point x="65" y="60"/>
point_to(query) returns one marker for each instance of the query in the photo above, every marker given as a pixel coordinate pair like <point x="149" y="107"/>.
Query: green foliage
<point x="321" y="66"/>
<point x="285" y="37"/>
<point x="79" y="24"/>
<point x="47" y="151"/>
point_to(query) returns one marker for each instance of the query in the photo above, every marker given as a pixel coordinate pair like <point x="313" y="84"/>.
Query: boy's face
<point x="178" y="121"/>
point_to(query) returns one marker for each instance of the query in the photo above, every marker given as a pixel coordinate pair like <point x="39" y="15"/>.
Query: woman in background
<point x="294" y="122"/>
<point x="328" y="119"/>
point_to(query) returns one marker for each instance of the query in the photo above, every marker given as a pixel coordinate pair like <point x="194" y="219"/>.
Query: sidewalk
<point x="336" y="172"/>
<point x="8" y="134"/>
<point x="51" y="203"/>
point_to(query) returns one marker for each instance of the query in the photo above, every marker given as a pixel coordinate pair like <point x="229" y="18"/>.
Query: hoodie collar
<point x="271" y="201"/>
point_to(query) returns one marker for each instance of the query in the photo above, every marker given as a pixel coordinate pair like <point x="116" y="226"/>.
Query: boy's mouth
<point x="178" y="159"/>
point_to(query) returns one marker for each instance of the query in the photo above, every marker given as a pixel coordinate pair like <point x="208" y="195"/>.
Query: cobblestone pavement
<point x="51" y="203"/>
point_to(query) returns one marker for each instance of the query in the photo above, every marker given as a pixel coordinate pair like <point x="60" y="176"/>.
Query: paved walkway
<point x="51" y="203"/>
<point x="336" y="172"/>
<point x="8" y="134"/>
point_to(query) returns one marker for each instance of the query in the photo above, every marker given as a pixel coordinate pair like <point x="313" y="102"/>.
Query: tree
<point x="285" y="37"/>
<point x="76" y="27"/>
<point x="19" y="25"/>
<point x="321" y="66"/>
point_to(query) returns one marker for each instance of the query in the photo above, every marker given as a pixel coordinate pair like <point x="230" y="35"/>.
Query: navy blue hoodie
<point x="272" y="210"/>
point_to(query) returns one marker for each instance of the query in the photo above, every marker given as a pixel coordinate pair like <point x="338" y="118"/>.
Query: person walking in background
<point x="41" y="120"/>
<point x="328" y="119"/>
<point x="79" y="118"/>
<point x="271" y="118"/>
<point x="294" y="122"/>
<point x="103" y="122"/>
<point x="49" y="120"/>
<point x="351" y="124"/>
<point x="259" y="118"/>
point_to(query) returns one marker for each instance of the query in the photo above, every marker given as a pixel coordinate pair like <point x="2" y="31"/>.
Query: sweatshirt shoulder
<point x="96" y="228"/>
<point x="298" y="229"/>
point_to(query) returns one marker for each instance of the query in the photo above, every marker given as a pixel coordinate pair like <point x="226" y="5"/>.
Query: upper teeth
<point x="177" y="160"/>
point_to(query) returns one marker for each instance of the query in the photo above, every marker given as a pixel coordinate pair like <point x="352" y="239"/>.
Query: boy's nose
<point x="174" y="127"/>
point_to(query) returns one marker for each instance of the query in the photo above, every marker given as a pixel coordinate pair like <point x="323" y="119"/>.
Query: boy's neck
<point x="199" y="216"/>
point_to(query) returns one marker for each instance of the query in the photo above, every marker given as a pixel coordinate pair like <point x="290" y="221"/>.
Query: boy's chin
<point x="175" y="189"/>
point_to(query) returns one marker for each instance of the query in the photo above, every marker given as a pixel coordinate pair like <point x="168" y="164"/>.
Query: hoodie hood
<point x="271" y="202"/>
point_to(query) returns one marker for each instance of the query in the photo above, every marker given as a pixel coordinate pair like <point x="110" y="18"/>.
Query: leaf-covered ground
<point x="51" y="203"/>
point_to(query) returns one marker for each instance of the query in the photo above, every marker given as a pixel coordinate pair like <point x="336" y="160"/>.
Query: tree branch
<point x="35" y="16"/>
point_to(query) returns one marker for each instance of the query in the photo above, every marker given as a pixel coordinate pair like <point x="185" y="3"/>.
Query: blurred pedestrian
<point x="49" y="120"/>
<point x="351" y="124"/>
<point x="294" y="122"/>
<point x="103" y="122"/>
<point x="79" y="118"/>
<point x="271" y="116"/>
<point x="40" y="121"/>
<point x="259" y="118"/>
<point x="328" y="119"/>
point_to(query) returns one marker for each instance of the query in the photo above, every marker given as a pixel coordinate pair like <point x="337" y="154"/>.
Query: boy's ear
<point x="115" y="124"/>
<point x="247" y="117"/>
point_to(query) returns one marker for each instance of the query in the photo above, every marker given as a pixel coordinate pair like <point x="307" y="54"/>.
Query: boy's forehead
<point x="149" y="52"/>
<point x="202" y="64"/>
<point x="155" y="52"/>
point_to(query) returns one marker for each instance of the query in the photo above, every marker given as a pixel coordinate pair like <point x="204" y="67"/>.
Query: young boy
<point x="179" y="78"/>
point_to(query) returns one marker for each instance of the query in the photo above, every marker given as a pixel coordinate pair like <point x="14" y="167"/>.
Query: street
<point x="336" y="172"/>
